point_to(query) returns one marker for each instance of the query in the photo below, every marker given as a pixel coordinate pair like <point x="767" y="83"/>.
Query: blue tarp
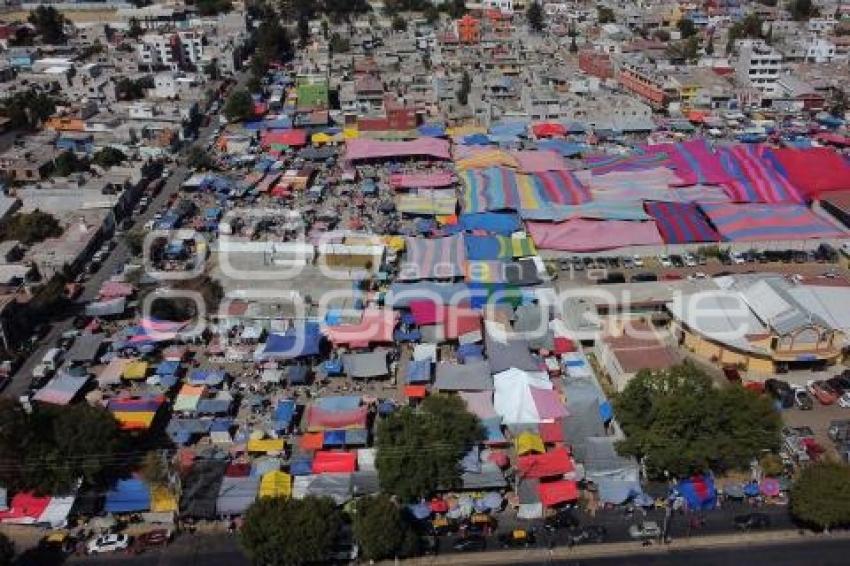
<point x="221" y="425"/>
<point x="341" y="403"/>
<point x="368" y="187"/>
<point x="128" y="496"/>
<point x="301" y="466"/>
<point x="295" y="343"/>
<point x="562" y="147"/>
<point x="432" y="130"/>
<point x="606" y="412"/>
<point x="334" y="438"/>
<point x="167" y="369"/>
<point x="296" y="375"/>
<point x="418" y="371"/>
<point x="181" y="431"/>
<point x="509" y="129"/>
<point x="470" y="352"/>
<point x="214" y="406"/>
<point x="482" y="248"/>
<point x="698" y="492"/>
<point x="420" y="510"/>
<point x="476" y="139"/>
<point x="356" y="437"/>
<point x="283" y="414"/>
<point x="493" y="430"/>
<point x="206" y="377"/>
<point x="387" y="407"/>
<point x="494" y="222"/>
<point x="400" y="335"/>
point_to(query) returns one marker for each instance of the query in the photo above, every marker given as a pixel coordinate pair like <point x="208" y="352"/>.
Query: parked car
<point x="677" y="260"/>
<point x="588" y="533"/>
<point x="732" y="374"/>
<point x="154" y="538"/>
<point x="563" y="519"/>
<point x="613" y="277"/>
<point x="517" y="538"/>
<point x="839" y="431"/>
<point x="827" y="253"/>
<point x="664" y="260"/>
<point x="472" y="543"/>
<point x="725" y="258"/>
<point x="690" y="260"/>
<point x="628" y="263"/>
<point x="108" y="543"/>
<point x="645" y="530"/>
<point x="780" y="391"/>
<point x="844" y="400"/>
<point x="840" y="383"/>
<point x="751" y="521"/>
<point x="639" y="277"/>
<point x="638" y="261"/>
<point x="737" y="258"/>
<point x="578" y="265"/>
<point x="802" y="399"/>
<point x="822" y="392"/>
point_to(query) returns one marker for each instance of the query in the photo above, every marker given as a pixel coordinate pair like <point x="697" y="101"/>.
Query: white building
<point x="759" y="66"/>
<point x="174" y="50"/>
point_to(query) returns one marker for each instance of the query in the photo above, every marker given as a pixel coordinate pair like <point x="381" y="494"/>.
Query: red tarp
<point x="312" y="441"/>
<point x="362" y="148"/>
<point x="376" y="325"/>
<point x="319" y="419"/>
<point x="294" y="138"/>
<point x="455" y="320"/>
<point x="813" y="170"/>
<point x="415" y="391"/>
<point x="551" y="432"/>
<point x="433" y="180"/>
<point x="564" y="345"/>
<point x="334" y="462"/>
<point x="548" y="129"/>
<point x="25" y="506"/>
<point x="555" y="492"/>
<point x="556" y="462"/>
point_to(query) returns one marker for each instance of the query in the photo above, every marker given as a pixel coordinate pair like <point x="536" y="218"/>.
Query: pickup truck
<point x="645" y="530"/>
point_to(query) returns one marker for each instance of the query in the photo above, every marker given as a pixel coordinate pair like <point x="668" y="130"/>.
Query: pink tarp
<point x="114" y="290"/>
<point x="320" y="419"/>
<point x="422" y="180"/>
<point x="372" y="149"/>
<point x="479" y="403"/>
<point x="693" y="162"/>
<point x="540" y="161"/>
<point x="814" y="170"/>
<point x="556" y="462"/>
<point x="548" y="404"/>
<point x="580" y="235"/>
<point x="376" y="325"/>
<point x="456" y="321"/>
<point x="296" y="138"/>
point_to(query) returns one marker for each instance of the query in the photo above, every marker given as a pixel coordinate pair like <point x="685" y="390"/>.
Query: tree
<point x="303" y="30"/>
<point x="465" y="87"/>
<point x="455" y="8"/>
<point x="821" y="495"/>
<point x="535" y="16"/>
<point x="605" y="15"/>
<point x="432" y="14"/>
<point x="709" y="46"/>
<point x="678" y="422"/>
<point x="686" y="28"/>
<point x="839" y="104"/>
<point x="135" y="30"/>
<point x="7" y="550"/>
<point x="109" y="157"/>
<point x="213" y="7"/>
<point x="132" y="89"/>
<point x="279" y="531"/>
<point x="381" y="529"/>
<point x="135" y="241"/>
<point x="67" y="163"/>
<point x="212" y="70"/>
<point x="239" y="106"/>
<point x="49" y="23"/>
<point x="573" y="45"/>
<point x="399" y="23"/>
<point x="52" y="448"/>
<point x="154" y="470"/>
<point x="802" y="10"/>
<point x="419" y="450"/>
<point x="31" y="227"/>
<point x="27" y="109"/>
<point x="339" y="44"/>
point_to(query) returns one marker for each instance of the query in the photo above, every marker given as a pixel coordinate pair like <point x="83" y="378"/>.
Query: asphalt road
<point x="21" y="380"/>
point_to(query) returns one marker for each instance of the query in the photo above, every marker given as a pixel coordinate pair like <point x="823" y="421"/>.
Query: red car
<point x="822" y="392"/>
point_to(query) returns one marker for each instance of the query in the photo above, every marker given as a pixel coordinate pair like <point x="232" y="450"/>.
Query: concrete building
<point x="759" y="66"/>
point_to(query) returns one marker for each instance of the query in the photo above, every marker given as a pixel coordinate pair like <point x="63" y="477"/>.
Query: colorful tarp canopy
<point x="548" y="129"/>
<point x="693" y="162"/>
<point x="580" y="235"/>
<point x="276" y="484"/>
<point x="528" y="442"/>
<point x="437" y="179"/>
<point x="499" y="188"/>
<point x="681" y="223"/>
<point x="434" y="258"/>
<point x="294" y="138"/>
<point x="539" y="161"/>
<point x="319" y="419"/>
<point x="556" y="462"/>
<point x="556" y="492"/>
<point x="760" y="222"/>
<point x="128" y="496"/>
<point x="813" y="171"/>
<point x="376" y="325"/>
<point x="498" y="247"/>
<point x="753" y="178"/>
<point x="334" y="462"/>
<point x="360" y="149"/>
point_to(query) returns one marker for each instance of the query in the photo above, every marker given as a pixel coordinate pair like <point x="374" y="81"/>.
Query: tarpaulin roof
<point x="276" y="484"/>
<point x="557" y="492"/>
<point x="513" y="399"/>
<point x="111" y="373"/>
<point x="497" y="247"/>
<point x="428" y="202"/>
<point x="115" y="289"/>
<point x="494" y="222"/>
<point x="339" y="402"/>
<point x="456" y="321"/>
<point x="563" y="147"/>
<point x="235" y="495"/>
<point x="480" y="404"/>
<point x="206" y="377"/>
<point x="434" y="258"/>
<point x="499" y="188"/>
<point x="693" y="162"/>
<point x="162" y="500"/>
<point x="510" y="353"/>
<point x="25" y="507"/>
<point x="418" y="371"/>
<point x="376" y="325"/>
<point x="334" y="462"/>
<point x="283" y="413"/>
<point x="529" y="442"/>
<point x="337" y="486"/>
<point x="128" y="496"/>
<point x="106" y="308"/>
<point x="302" y="340"/>
<point x="474" y="376"/>
<point x="699" y="492"/>
<point x="61" y="389"/>
<point x="601" y="460"/>
<point x="759" y="222"/>
<point x="681" y="223"/>
<point x="813" y="171"/>
<point x="188" y="397"/>
<point x="295" y="138"/>
<point x="580" y="235"/>
<point x="402" y="294"/>
<point x="556" y="462"/>
<point x="539" y="161"/>
<point x="548" y="404"/>
<point x="547" y="129"/>
<point x="366" y="364"/>
<point x="319" y="419"/>
<point x="200" y="488"/>
<point x="362" y="148"/>
<point x="436" y="179"/>
<point x="595" y="209"/>
<point x="509" y="128"/>
<point x="754" y="178"/>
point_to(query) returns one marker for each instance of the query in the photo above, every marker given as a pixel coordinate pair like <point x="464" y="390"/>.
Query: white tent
<point x="512" y="397"/>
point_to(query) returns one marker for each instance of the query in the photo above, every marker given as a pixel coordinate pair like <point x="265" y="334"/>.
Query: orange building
<point x="469" y="29"/>
<point x="65" y="124"/>
<point x="643" y="84"/>
<point x="596" y="64"/>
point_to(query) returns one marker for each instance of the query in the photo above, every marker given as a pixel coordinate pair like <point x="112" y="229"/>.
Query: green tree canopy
<point x="213" y="7"/>
<point x="381" y="529"/>
<point x="802" y="9"/>
<point x="820" y="496"/>
<point x="53" y="447"/>
<point x="135" y="29"/>
<point x="686" y="27"/>
<point x="132" y="89"/>
<point x="605" y="15"/>
<point x="7" y="550"/>
<point x="339" y="44"/>
<point x="49" y="23"/>
<point x="239" y="106"/>
<point x="399" y="23"/>
<point x="31" y="227"/>
<point x="67" y="163"/>
<point x="419" y="449"/>
<point x="465" y="87"/>
<point x="27" y="109"/>
<point x="109" y="157"/>
<point x="279" y="531"/>
<point x="535" y="16"/>
<point x="677" y="421"/>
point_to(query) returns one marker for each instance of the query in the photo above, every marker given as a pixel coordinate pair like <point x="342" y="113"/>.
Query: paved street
<point x="21" y="380"/>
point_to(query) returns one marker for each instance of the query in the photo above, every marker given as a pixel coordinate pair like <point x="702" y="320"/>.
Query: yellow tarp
<point x="465" y="130"/>
<point x="321" y="137"/>
<point x="529" y="442"/>
<point x="394" y="242"/>
<point x="276" y="484"/>
<point x="135" y="370"/>
<point x="266" y="445"/>
<point x="162" y="500"/>
<point x="351" y="133"/>
<point x="134" y="420"/>
<point x="487" y="158"/>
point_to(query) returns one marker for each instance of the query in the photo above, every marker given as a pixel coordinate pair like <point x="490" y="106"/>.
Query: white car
<point x="108" y="543"/>
<point x="690" y="260"/>
<point x="664" y="260"/>
<point x="844" y="400"/>
<point x="845" y="249"/>
<point x="737" y="258"/>
<point x="638" y="261"/>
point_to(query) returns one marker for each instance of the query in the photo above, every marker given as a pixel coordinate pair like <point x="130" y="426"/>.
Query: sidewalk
<point x="627" y="548"/>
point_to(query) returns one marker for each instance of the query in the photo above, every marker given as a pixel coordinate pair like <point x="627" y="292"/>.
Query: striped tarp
<point x="756" y="222"/>
<point x="681" y="223"/>
<point x="427" y="203"/>
<point x="499" y="188"/>
<point x="753" y="178"/>
<point x="498" y="247"/>
<point x="434" y="258"/>
<point x="693" y="162"/>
